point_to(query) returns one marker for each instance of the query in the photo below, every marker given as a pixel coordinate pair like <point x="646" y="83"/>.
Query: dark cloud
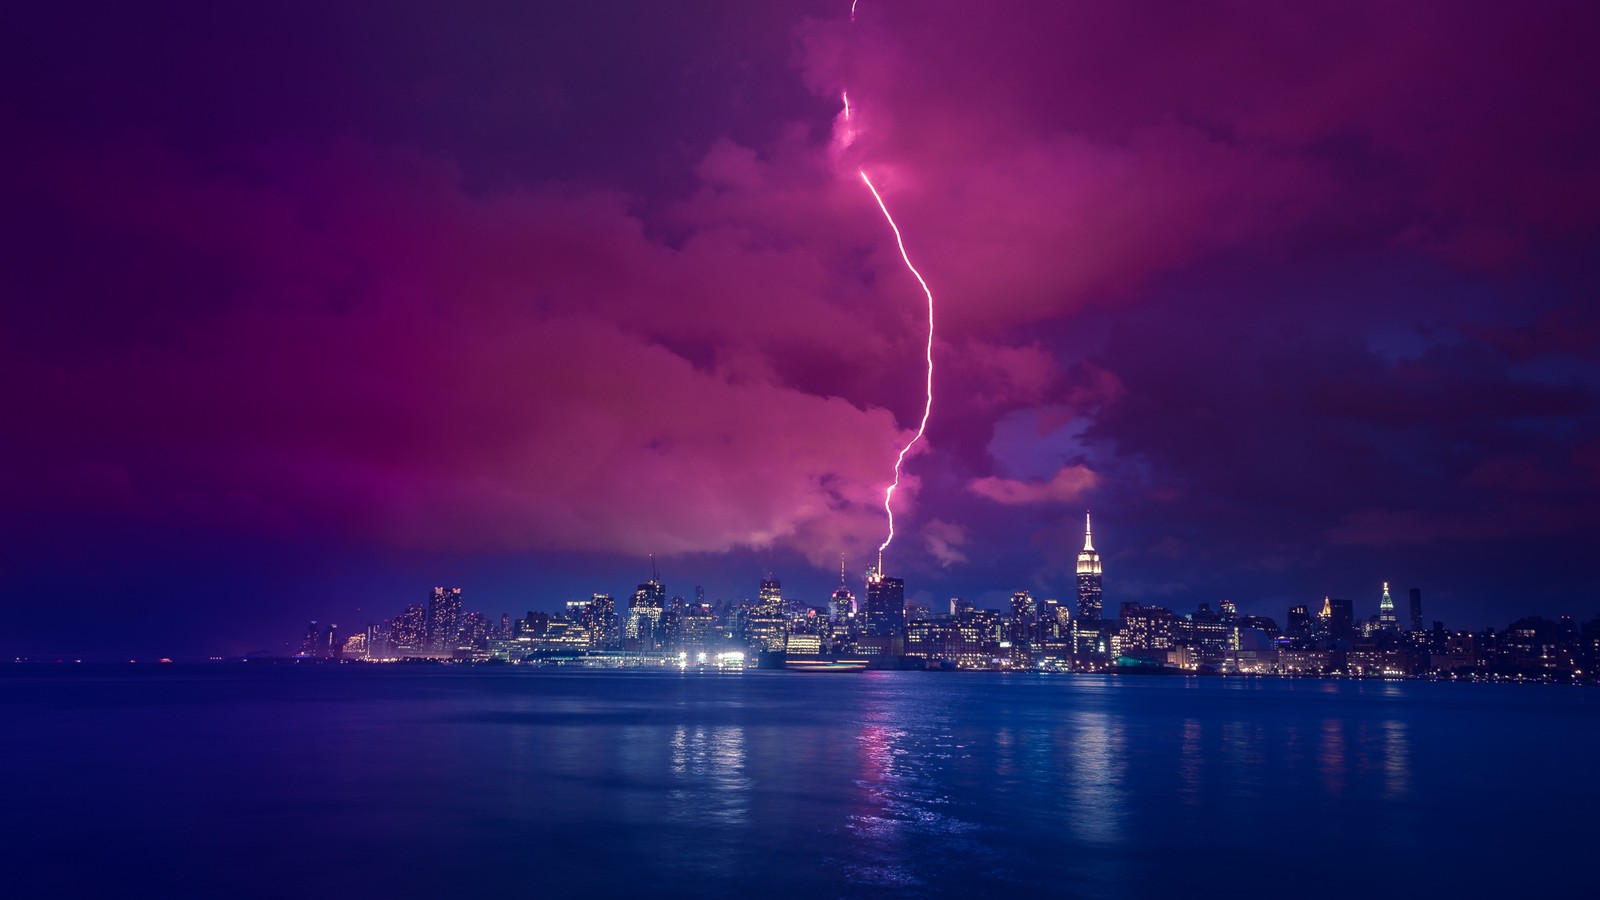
<point x="1299" y="299"/>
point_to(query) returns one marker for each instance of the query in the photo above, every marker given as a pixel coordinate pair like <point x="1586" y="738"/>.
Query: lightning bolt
<point x="927" y="406"/>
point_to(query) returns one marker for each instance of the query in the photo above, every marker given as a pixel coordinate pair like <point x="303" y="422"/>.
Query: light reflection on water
<point x="709" y="784"/>
<point x="1096" y="777"/>
<point x="884" y="784"/>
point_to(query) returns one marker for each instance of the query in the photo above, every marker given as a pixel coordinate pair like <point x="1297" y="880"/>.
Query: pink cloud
<point x="944" y="540"/>
<point x="395" y="359"/>
<point x="1067" y="485"/>
<point x="1065" y="156"/>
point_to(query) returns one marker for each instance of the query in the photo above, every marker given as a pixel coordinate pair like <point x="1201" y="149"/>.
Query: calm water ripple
<point x="406" y="782"/>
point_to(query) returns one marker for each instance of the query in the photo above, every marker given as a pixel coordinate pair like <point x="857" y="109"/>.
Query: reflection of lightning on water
<point x="927" y="407"/>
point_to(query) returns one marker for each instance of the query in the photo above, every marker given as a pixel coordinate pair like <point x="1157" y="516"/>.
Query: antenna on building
<point x="652" y="567"/>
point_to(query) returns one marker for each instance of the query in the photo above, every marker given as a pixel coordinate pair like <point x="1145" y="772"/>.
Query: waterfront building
<point x="1148" y="628"/>
<point x="410" y="630"/>
<point x="767" y="627"/>
<point x="444" y="619"/>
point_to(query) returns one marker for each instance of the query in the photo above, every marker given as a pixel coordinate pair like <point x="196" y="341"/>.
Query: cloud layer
<point x="1289" y="296"/>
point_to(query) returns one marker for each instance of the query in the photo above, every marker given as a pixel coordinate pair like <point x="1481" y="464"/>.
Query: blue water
<point x="448" y="782"/>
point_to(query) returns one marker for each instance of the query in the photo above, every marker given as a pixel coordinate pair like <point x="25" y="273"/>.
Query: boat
<point x="826" y="665"/>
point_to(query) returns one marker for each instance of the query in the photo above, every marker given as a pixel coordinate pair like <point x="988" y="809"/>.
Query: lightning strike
<point x="927" y="407"/>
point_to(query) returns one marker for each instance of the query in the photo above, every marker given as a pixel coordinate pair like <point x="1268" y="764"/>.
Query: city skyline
<point x="888" y="631"/>
<point x="306" y="313"/>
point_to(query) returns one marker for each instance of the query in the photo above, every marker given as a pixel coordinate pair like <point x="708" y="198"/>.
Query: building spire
<point x="841" y="570"/>
<point x="652" y="567"/>
<point x="1088" y="536"/>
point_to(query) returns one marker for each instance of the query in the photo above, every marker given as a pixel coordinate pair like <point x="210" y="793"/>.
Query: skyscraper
<point x="1416" y="609"/>
<point x="444" y="619"/>
<point x="602" y="622"/>
<point x="1088" y="576"/>
<point x="410" y="630"/>
<point x="1024" y="617"/>
<point x="1337" y="619"/>
<point x="768" y="627"/>
<point x="1298" y="622"/>
<point x="886" y="605"/>
<point x="645" y="610"/>
<point x="843" y="604"/>
<point x="1386" y="616"/>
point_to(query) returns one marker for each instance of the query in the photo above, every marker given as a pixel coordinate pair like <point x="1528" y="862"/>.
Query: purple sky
<point x="305" y="311"/>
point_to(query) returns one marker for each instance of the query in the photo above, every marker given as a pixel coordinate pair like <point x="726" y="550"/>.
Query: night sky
<point x="306" y="308"/>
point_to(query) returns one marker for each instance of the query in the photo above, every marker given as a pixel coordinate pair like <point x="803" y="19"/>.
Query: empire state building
<point x="1088" y="575"/>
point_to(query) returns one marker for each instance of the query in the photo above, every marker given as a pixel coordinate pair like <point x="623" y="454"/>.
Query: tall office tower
<point x="1386" y="616"/>
<point x="1024" y="617"/>
<point x="603" y="610"/>
<point x="645" y="610"/>
<point x="770" y="596"/>
<point x="411" y="628"/>
<point x="672" y="624"/>
<point x="1050" y="619"/>
<point x="444" y="618"/>
<point x="1088" y="576"/>
<point x="768" y="626"/>
<point x="378" y="640"/>
<point x="842" y="606"/>
<point x="1063" y="620"/>
<point x="474" y="630"/>
<point x="1298" y="622"/>
<point x="1416" y="609"/>
<point x="311" y="644"/>
<point x="886" y="605"/>
<point x="1341" y="618"/>
<point x="1230" y="610"/>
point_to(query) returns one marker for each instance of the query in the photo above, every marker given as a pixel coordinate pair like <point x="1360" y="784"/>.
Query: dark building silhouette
<point x="1298" y="622"/>
<point x="1337" y="621"/>
<point x="1416" y="609"/>
<point x="886" y="606"/>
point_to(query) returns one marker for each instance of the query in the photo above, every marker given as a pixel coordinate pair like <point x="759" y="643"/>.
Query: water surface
<point x="269" y="780"/>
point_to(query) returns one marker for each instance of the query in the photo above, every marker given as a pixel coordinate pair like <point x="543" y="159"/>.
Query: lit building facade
<point x="768" y="625"/>
<point x="1089" y="593"/>
<point x="444" y="619"/>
